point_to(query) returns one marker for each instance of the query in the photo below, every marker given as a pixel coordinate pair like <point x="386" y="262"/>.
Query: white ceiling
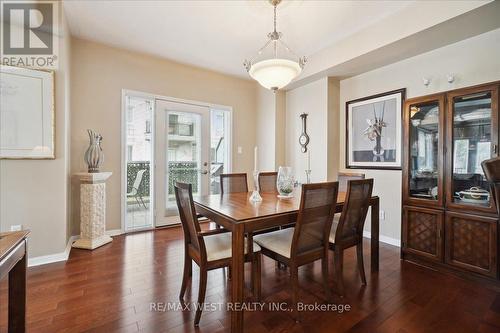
<point x="219" y="35"/>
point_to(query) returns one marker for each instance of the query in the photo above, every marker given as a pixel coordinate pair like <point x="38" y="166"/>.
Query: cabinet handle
<point x="495" y="149"/>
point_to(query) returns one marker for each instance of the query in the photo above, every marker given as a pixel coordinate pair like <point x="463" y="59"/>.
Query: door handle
<point x="204" y="172"/>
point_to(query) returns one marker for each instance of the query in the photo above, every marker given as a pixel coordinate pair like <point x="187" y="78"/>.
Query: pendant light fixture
<point x="276" y="70"/>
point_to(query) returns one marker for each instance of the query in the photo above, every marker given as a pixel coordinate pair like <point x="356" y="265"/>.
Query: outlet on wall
<point x="381" y="215"/>
<point x="17" y="227"/>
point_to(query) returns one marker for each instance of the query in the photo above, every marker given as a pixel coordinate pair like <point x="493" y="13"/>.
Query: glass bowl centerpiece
<point x="285" y="182"/>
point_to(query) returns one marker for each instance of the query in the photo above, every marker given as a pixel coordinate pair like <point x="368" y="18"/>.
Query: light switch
<point x="240" y="150"/>
<point x="381" y="215"/>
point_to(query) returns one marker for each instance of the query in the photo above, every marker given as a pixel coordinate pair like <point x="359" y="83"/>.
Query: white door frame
<point x="130" y="92"/>
<point x="123" y="167"/>
<point x="164" y="108"/>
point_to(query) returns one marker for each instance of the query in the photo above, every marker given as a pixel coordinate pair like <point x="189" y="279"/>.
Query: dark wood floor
<point x="110" y="290"/>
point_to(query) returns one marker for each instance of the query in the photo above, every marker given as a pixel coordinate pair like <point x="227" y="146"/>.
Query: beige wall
<point x="34" y="193"/>
<point x="333" y="123"/>
<point x="311" y="99"/>
<point x="265" y="130"/>
<point x="280" y="130"/>
<point x="473" y="61"/>
<point x="270" y="129"/>
<point x="99" y="73"/>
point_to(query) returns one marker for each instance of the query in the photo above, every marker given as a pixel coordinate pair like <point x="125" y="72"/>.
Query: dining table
<point x="242" y="217"/>
<point x="13" y="263"/>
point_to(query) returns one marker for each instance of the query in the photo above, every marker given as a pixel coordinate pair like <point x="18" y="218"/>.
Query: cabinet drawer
<point x="471" y="243"/>
<point x="422" y="232"/>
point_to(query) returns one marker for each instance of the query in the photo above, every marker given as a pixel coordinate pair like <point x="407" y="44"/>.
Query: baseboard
<point x="51" y="258"/>
<point x="384" y="239"/>
<point x="114" y="232"/>
<point x="63" y="256"/>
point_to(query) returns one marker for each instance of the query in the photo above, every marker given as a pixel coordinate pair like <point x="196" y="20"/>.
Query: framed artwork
<point x="373" y="131"/>
<point x="26" y="113"/>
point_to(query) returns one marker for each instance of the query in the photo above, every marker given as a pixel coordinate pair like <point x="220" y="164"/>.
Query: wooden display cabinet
<point x="449" y="217"/>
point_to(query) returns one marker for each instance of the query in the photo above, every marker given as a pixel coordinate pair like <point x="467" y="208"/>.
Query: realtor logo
<point x="29" y="33"/>
<point x="34" y="33"/>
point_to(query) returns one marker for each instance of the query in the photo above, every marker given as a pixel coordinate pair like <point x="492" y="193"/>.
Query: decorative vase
<point x="285" y="182"/>
<point x="378" y="150"/>
<point x="94" y="155"/>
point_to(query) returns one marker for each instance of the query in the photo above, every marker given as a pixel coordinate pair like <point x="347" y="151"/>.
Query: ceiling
<point x="219" y="35"/>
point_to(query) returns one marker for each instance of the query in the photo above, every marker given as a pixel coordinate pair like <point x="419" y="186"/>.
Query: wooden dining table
<point x="235" y="212"/>
<point x="13" y="263"/>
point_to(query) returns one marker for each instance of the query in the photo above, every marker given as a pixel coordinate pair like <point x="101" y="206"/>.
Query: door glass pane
<point x="471" y="146"/>
<point x="183" y="154"/>
<point x="424" y="136"/>
<point x="219" y="147"/>
<point x="138" y="155"/>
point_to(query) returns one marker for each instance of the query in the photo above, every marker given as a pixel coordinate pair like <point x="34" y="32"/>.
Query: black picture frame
<point x="376" y="165"/>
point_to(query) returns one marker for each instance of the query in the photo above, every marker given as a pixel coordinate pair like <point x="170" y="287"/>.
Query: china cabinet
<point x="449" y="218"/>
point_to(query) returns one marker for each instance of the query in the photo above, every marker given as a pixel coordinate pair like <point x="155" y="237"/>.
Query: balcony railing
<point x="181" y="129"/>
<point x="178" y="171"/>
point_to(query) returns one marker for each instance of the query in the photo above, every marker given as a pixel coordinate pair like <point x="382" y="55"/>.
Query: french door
<point x="182" y="154"/>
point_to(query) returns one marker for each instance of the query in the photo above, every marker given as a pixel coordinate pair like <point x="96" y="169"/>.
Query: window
<point x="461" y="156"/>
<point x="138" y="184"/>
<point x="482" y="153"/>
<point x="219" y="146"/>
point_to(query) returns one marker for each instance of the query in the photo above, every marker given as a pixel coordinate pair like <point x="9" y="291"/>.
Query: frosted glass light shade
<point x="274" y="73"/>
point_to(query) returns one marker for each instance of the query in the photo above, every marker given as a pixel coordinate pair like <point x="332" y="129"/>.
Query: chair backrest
<point x="233" y="183"/>
<point x="138" y="179"/>
<point x="314" y="221"/>
<point x="344" y="177"/>
<point x="187" y="213"/>
<point x="491" y="170"/>
<point x="267" y="181"/>
<point x="352" y="219"/>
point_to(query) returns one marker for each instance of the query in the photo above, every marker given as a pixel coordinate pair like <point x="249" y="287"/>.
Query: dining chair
<point x="233" y="183"/>
<point x="348" y="232"/>
<point x="209" y="249"/>
<point x="308" y="240"/>
<point x="267" y="181"/>
<point x="344" y="177"/>
<point x="491" y="169"/>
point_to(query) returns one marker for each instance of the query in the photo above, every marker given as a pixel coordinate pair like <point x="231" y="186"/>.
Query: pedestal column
<point x="92" y="210"/>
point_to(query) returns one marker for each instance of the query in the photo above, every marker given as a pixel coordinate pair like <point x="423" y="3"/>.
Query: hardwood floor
<point x="110" y="290"/>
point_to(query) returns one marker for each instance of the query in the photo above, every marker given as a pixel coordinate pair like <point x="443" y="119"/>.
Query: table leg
<point x="238" y="254"/>
<point x="375" y="235"/>
<point x="17" y="297"/>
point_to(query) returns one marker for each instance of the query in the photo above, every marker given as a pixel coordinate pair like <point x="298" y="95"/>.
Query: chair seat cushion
<point x="219" y="246"/>
<point x="279" y="241"/>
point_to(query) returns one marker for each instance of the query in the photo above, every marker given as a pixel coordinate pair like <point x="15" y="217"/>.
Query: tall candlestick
<point x="255" y="197"/>
<point x="308" y="171"/>
<point x="255" y="159"/>
<point x="308" y="159"/>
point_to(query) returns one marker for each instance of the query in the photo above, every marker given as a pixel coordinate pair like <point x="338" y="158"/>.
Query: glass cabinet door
<point x="473" y="141"/>
<point x="424" y="151"/>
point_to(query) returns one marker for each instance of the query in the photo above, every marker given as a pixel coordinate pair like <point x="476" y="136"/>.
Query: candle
<point x="308" y="159"/>
<point x="255" y="159"/>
